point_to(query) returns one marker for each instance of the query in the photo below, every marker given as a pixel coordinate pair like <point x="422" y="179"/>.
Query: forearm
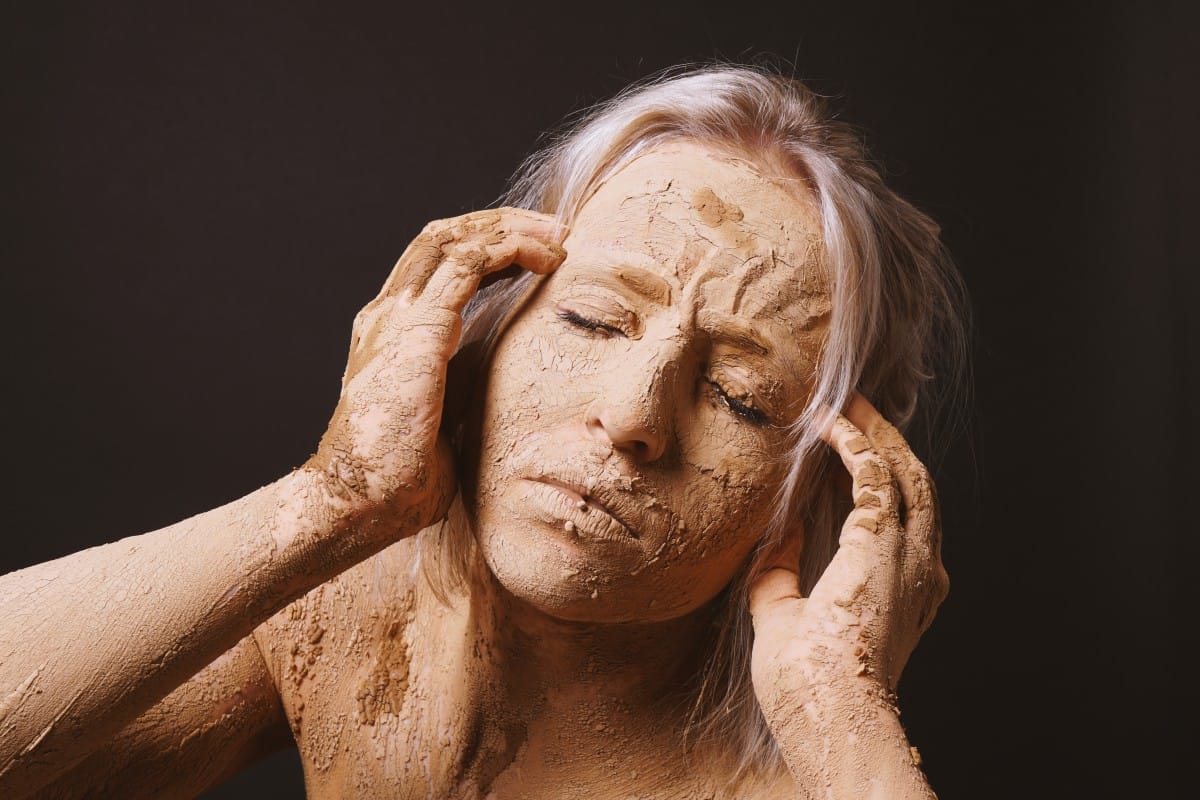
<point x="223" y="718"/>
<point x="89" y="641"/>
<point x="842" y="748"/>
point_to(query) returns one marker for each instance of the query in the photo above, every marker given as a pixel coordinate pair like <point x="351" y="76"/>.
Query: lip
<point x="559" y="504"/>
<point x="577" y="494"/>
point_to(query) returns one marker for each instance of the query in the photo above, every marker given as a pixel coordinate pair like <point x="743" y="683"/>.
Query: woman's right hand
<point x="170" y="601"/>
<point x="382" y="453"/>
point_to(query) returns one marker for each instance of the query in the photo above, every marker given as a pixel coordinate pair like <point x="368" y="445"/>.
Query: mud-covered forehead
<point x="725" y="234"/>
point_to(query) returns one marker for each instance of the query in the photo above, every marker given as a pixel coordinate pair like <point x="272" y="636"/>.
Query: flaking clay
<point x="623" y="466"/>
<point x="646" y="383"/>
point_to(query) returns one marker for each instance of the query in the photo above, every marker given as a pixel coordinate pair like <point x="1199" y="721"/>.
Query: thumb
<point x="779" y="578"/>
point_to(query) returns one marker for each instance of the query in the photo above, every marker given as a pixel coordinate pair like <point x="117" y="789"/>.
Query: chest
<point x="375" y="693"/>
<point x="384" y="701"/>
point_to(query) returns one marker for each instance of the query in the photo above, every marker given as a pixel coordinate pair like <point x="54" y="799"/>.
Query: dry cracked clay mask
<point x="634" y="410"/>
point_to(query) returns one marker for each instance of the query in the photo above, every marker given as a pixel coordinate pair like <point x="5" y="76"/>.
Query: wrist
<point x="846" y="738"/>
<point x="317" y="530"/>
<point x="391" y="497"/>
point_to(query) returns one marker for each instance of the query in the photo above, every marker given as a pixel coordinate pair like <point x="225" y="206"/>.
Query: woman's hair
<point x="897" y="331"/>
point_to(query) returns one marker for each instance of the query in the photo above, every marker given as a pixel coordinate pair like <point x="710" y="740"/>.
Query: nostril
<point x="637" y="448"/>
<point x="595" y="427"/>
<point x="625" y="432"/>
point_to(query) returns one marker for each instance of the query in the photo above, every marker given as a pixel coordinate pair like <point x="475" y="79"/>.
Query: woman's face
<point x="631" y="435"/>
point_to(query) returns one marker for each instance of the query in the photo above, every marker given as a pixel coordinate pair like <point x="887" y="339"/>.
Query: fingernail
<point x="558" y="250"/>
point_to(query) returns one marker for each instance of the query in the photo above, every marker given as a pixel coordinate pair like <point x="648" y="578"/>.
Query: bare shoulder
<point x="749" y="784"/>
<point x="313" y="644"/>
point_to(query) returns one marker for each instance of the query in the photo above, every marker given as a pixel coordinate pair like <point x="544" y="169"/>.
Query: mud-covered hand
<point x="825" y="667"/>
<point x="382" y="452"/>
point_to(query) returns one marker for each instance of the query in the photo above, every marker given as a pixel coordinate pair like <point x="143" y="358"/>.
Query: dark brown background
<point x="198" y="197"/>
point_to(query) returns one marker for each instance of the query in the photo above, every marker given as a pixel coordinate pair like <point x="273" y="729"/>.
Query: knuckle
<point x="872" y="473"/>
<point x="470" y="258"/>
<point x="855" y="443"/>
<point x="477" y="222"/>
<point x="428" y="320"/>
<point x="868" y="499"/>
<point x="436" y="226"/>
<point x="867" y="520"/>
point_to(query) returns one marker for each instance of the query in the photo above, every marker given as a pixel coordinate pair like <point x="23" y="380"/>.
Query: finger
<point x="429" y="249"/>
<point x="467" y="262"/>
<point x="862" y="571"/>
<point x="873" y="486"/>
<point x="921" y="537"/>
<point x="780" y="575"/>
<point x="916" y="487"/>
<point x="776" y="585"/>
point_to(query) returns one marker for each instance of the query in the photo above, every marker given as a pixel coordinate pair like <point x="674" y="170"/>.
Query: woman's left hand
<point x="825" y="667"/>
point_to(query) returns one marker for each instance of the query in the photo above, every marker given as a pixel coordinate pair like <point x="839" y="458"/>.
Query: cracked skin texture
<point x="407" y="693"/>
<point x="559" y="672"/>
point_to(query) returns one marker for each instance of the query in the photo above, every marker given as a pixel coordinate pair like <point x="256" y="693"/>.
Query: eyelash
<point x="571" y="318"/>
<point x="735" y="406"/>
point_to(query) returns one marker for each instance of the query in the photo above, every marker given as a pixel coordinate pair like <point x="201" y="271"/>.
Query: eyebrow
<point x="730" y="330"/>
<point x="643" y="281"/>
<point x="747" y="339"/>
<point x="785" y="379"/>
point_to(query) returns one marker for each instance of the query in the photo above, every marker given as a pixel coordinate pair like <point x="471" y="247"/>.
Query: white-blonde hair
<point x="898" y="321"/>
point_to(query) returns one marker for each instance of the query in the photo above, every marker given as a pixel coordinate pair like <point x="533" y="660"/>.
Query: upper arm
<point x="225" y="717"/>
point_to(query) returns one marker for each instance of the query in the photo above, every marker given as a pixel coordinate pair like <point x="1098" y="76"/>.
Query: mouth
<point x="585" y="501"/>
<point x="583" y="509"/>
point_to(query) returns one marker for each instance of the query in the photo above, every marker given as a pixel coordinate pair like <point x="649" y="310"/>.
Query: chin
<point x="584" y="584"/>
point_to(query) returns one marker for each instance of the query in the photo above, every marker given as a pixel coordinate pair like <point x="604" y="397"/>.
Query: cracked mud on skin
<point x="622" y="463"/>
<point x="621" y="471"/>
<point x="660" y="362"/>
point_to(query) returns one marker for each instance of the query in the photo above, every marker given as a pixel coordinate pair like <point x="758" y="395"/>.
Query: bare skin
<point x="119" y="627"/>
<point x="836" y="655"/>
<point x="639" y="390"/>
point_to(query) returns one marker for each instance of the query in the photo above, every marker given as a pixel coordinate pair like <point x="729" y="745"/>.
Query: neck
<point x="538" y="661"/>
<point x="543" y="690"/>
<point x="550" y="662"/>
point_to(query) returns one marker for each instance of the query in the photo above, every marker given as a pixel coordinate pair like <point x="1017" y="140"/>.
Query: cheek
<point x="541" y="352"/>
<point x="731" y="464"/>
<point x="540" y="382"/>
<point x="725" y="498"/>
<point x="526" y="378"/>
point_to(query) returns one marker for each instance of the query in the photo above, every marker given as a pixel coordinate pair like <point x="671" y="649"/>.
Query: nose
<point x="636" y="420"/>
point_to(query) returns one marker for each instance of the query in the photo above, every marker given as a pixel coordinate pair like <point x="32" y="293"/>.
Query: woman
<point x="616" y="557"/>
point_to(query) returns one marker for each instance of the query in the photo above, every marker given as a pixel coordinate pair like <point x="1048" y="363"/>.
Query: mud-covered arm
<point x="825" y="667"/>
<point x="90" y="641"/>
<point x="220" y="721"/>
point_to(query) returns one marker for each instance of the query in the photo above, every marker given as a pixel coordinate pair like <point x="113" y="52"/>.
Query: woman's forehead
<point x="712" y="225"/>
<point x="719" y="194"/>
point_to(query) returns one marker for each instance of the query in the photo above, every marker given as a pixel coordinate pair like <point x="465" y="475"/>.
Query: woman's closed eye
<point x="592" y="325"/>
<point x="739" y="405"/>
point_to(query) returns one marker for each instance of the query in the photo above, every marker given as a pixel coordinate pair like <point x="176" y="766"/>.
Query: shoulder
<point x="724" y="778"/>
<point x="309" y="643"/>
